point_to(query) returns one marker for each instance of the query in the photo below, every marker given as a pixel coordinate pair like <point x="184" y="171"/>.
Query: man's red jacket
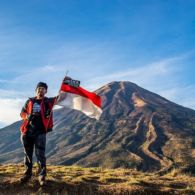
<point x="46" y="113"/>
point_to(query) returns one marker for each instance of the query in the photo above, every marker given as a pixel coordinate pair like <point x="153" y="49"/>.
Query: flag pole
<point x="56" y="98"/>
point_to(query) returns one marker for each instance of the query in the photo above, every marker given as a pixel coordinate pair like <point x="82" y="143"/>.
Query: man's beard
<point x="40" y="94"/>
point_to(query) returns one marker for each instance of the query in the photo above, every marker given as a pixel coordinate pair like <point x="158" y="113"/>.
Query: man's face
<point x="40" y="92"/>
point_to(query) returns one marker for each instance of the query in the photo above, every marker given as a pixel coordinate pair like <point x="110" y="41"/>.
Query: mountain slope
<point x="73" y="180"/>
<point x="138" y="129"/>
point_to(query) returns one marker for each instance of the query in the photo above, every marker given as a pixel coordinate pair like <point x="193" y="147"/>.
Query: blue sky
<point x="150" y="43"/>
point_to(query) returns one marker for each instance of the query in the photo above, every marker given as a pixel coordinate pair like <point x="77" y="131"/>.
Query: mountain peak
<point x="137" y="129"/>
<point x="118" y="85"/>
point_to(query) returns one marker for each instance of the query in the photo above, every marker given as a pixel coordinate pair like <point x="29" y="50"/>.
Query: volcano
<point x="137" y="129"/>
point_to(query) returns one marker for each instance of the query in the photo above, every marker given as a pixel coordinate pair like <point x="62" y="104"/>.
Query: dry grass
<point x="76" y="180"/>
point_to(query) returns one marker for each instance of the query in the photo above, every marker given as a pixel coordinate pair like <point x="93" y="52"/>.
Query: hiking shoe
<point x="25" y="178"/>
<point x="42" y="180"/>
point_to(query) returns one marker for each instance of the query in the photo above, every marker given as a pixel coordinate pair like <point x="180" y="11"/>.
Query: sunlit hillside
<point x="74" y="180"/>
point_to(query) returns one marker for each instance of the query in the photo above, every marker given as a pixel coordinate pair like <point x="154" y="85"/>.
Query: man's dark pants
<point x="29" y="143"/>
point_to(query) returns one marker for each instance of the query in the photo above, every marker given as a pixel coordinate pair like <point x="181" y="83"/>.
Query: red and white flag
<point x="79" y="99"/>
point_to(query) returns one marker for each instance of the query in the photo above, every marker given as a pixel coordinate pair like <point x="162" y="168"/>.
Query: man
<point x="37" y="121"/>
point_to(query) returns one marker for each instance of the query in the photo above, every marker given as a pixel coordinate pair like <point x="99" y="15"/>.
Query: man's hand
<point x="66" y="78"/>
<point x="69" y="81"/>
<point x="29" y="117"/>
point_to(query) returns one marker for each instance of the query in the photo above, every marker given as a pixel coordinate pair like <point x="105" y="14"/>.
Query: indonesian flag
<point x="79" y="99"/>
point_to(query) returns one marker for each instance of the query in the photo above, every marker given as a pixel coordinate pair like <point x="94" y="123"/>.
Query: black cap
<point x="41" y="84"/>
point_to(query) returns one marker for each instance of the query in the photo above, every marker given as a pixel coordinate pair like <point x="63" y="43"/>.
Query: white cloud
<point x="11" y="104"/>
<point x="10" y="110"/>
<point x="4" y="81"/>
<point x="183" y="95"/>
<point x="10" y="94"/>
<point x="146" y="76"/>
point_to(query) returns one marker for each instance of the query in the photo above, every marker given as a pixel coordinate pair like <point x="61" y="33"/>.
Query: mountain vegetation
<point x="75" y="180"/>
